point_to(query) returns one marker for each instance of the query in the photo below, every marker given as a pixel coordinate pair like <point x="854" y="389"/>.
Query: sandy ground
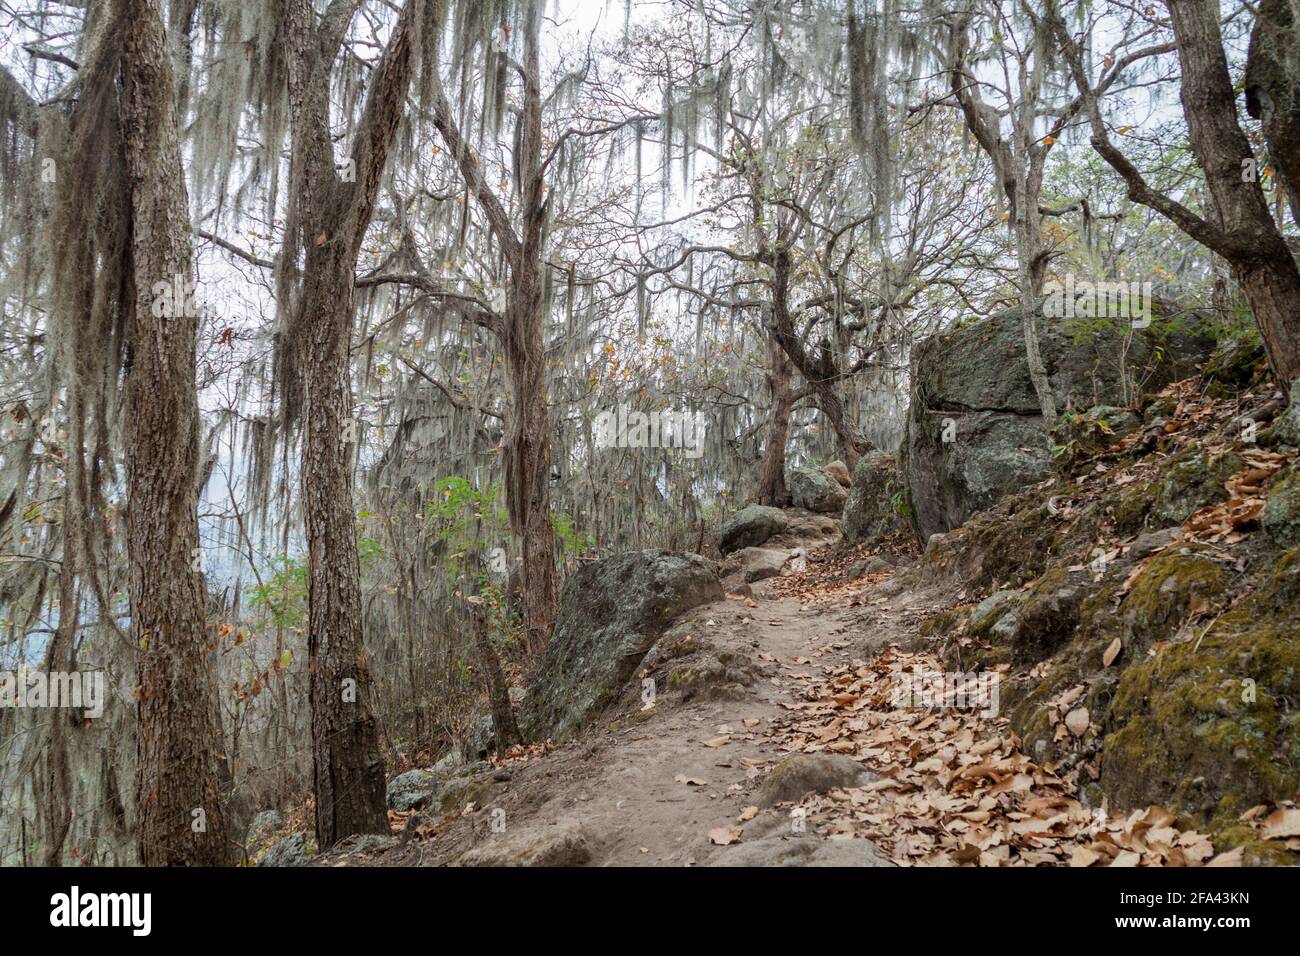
<point x="621" y="784"/>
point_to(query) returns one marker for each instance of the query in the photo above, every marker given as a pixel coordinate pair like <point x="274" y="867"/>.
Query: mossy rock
<point x="1208" y="727"/>
<point x="1083" y="434"/>
<point x="1283" y="590"/>
<point x="1281" y="515"/>
<point x="876" y="505"/>
<point x="713" y="675"/>
<point x="1048" y="618"/>
<point x="1130" y="506"/>
<point x="1286" y="428"/>
<point x="1169" y="589"/>
<point x="1193" y="480"/>
<point x="457" y="793"/>
<point x="1236" y="360"/>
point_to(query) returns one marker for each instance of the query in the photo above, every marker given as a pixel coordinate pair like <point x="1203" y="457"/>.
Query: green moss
<point x="1170" y="588"/>
<point x="1130" y="506"/>
<point x="1209" y="726"/>
<point x="1281" y="516"/>
<point x="1193" y="480"/>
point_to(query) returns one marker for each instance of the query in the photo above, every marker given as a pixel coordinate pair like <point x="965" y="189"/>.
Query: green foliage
<point x="283" y="595"/>
<point x="572" y="541"/>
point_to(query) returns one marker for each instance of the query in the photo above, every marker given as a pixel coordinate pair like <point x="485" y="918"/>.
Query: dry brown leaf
<point x="724" y="836"/>
<point x="1077" y="721"/>
<point x="1112" y="652"/>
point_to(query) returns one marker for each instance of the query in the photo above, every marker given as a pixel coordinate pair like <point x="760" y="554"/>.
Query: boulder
<point x="783" y="850"/>
<point x="1281" y="515"/>
<point x="263" y="826"/>
<point x="974" y="429"/>
<point x="412" y="789"/>
<point x="481" y="739"/>
<point x="446" y="790"/>
<point x="611" y="613"/>
<point x="1286" y="429"/>
<point x="563" y="843"/>
<point x="810" y="773"/>
<point x="840" y="472"/>
<point x="750" y="527"/>
<point x="872" y="508"/>
<point x="755" y="564"/>
<point x="294" y="850"/>
<point x="815" y="490"/>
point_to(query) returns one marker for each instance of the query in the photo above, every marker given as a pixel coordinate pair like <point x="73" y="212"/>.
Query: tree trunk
<point x="771" y="483"/>
<point x="528" y="444"/>
<point x="1273" y="91"/>
<point x="504" y="727"/>
<point x="821" y="375"/>
<point x="1259" y="255"/>
<point x="329" y="218"/>
<point x="179" y="805"/>
<point x="348" y="768"/>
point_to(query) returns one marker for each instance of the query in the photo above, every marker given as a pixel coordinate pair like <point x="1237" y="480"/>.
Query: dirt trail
<point x="626" y="792"/>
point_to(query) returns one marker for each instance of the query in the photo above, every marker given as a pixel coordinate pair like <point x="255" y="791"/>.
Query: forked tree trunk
<point x="1256" y="250"/>
<point x="821" y="376"/>
<point x="329" y="219"/>
<point x="1238" y="225"/>
<point x="179" y="803"/>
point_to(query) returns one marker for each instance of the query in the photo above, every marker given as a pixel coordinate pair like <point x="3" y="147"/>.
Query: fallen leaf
<point x="1112" y="652"/>
<point x="724" y="836"/>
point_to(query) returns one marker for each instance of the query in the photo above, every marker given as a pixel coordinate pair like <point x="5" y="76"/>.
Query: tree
<point x="329" y="214"/>
<point x="179" y="801"/>
<point x="1237" y="225"/>
<point x="521" y="326"/>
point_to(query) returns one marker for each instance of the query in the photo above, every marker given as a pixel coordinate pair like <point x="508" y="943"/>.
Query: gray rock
<point x="977" y="377"/>
<point x="563" y="843"/>
<point x="449" y="762"/>
<point x="991" y="609"/>
<point x="1281" y="515"/>
<point x="799" y="774"/>
<point x="756" y="564"/>
<point x="784" y="850"/>
<point x="815" y="490"/>
<point x="872" y="565"/>
<point x="1286" y="427"/>
<point x="1148" y="544"/>
<point x="412" y="789"/>
<point x="750" y="527"/>
<point x="1192" y="483"/>
<point x="611" y="613"/>
<point x="481" y="739"/>
<point x="293" y="850"/>
<point x="876" y="504"/>
<point x="263" y="825"/>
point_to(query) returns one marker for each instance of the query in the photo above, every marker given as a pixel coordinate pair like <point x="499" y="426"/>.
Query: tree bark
<point x="179" y="803"/>
<point x="504" y="727"/>
<point x="771" y="482"/>
<point x="821" y="375"/>
<point x="329" y="218"/>
<point x="1273" y="91"/>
